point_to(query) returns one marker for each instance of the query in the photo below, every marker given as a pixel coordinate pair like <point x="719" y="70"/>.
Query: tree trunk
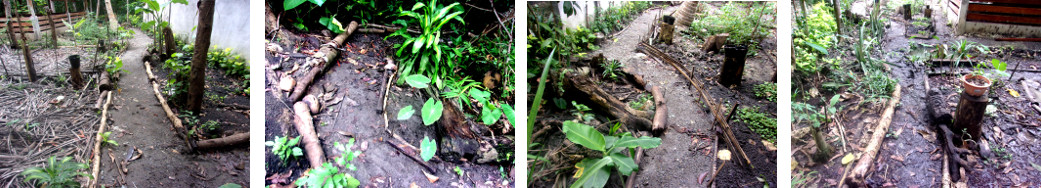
<point x="113" y="24"/>
<point x="969" y="115"/>
<point x="54" y="28"/>
<point x="10" y="28"/>
<point x="32" y="18"/>
<point x="838" y="17"/>
<point x="202" y="43"/>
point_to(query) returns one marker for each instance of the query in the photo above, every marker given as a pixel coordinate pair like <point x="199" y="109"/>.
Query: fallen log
<point x="327" y="55"/>
<point x="867" y="159"/>
<point x="235" y="139"/>
<point x="305" y="126"/>
<point x="177" y="124"/>
<point x="661" y="113"/>
<point x="104" y="82"/>
<point x="600" y="100"/>
<point x="97" y="141"/>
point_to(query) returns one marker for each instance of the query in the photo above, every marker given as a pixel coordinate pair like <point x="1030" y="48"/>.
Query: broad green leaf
<point x="230" y="185"/>
<point x="287" y="4"/>
<point x="417" y="81"/>
<point x="584" y="135"/>
<point x="817" y="47"/>
<point x="490" y="114"/>
<point x="432" y="111"/>
<point x="480" y="96"/>
<point x="317" y="2"/>
<point x="427" y="148"/>
<point x="999" y="65"/>
<point x="508" y="111"/>
<point x="406" y="112"/>
<point x="183" y="2"/>
<point x="624" y="164"/>
<point x="592" y="173"/>
<point x="632" y="142"/>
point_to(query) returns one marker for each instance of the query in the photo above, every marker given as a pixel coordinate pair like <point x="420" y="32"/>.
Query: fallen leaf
<point x="1014" y="93"/>
<point x="848" y="158"/>
<point x="413" y="185"/>
<point x="769" y="146"/>
<point x="1036" y="167"/>
<point x="897" y="157"/>
<point x="701" y="178"/>
<point x="935" y="157"/>
<point x="431" y="177"/>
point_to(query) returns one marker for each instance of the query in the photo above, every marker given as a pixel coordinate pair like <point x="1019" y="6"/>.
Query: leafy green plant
<point x="406" y="112"/>
<point x="431" y="111"/>
<point x="594" y="172"/>
<point x="581" y="112"/>
<point x="813" y="36"/>
<point x="643" y="102"/>
<point x="114" y="65"/>
<point x="536" y="103"/>
<point x="291" y="4"/>
<point x="106" y="139"/>
<point x="57" y="173"/>
<point x="766" y="90"/>
<point x="425" y="53"/>
<point x="610" y="69"/>
<point x="155" y="10"/>
<point x="760" y="123"/>
<point x="427" y="148"/>
<point x="232" y="65"/>
<point x="739" y="22"/>
<point x="329" y="174"/>
<point x="285" y="148"/>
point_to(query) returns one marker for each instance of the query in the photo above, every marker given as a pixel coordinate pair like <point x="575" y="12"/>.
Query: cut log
<point x="328" y="54"/>
<point x="733" y="65"/>
<point x="176" y="122"/>
<point x="97" y="140"/>
<point x="235" y="139"/>
<point x="74" y="71"/>
<point x="867" y="159"/>
<point x="104" y="82"/>
<point x="969" y="114"/>
<point x="715" y="42"/>
<point x="661" y="113"/>
<point x="586" y="89"/>
<point x="309" y="137"/>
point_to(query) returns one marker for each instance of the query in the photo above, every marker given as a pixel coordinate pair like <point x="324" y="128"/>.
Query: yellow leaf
<point x="847" y="159"/>
<point x="1014" y="93"/>
<point x="578" y="173"/>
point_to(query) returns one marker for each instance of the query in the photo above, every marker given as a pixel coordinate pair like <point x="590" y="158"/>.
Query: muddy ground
<point x="686" y="157"/>
<point x="910" y="155"/>
<point x="357" y="82"/>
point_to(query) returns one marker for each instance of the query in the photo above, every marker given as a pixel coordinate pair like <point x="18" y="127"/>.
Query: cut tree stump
<point x="969" y="114"/>
<point x="666" y="30"/>
<point x="327" y="54"/>
<point x="715" y="42"/>
<point x="235" y="139"/>
<point x="74" y="71"/>
<point x="169" y="45"/>
<point x="733" y="65"/>
<point x="867" y="159"/>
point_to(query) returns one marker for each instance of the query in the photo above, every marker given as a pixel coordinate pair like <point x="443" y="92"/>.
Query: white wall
<point x="586" y="7"/>
<point x="230" y="24"/>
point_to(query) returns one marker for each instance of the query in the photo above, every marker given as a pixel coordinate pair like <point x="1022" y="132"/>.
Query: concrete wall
<point x="230" y="24"/>
<point x="584" y="12"/>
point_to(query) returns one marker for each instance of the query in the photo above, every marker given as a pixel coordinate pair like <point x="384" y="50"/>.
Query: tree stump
<point x="969" y="114"/>
<point x="666" y="30"/>
<point x="733" y="65"/>
<point x="30" y="69"/>
<point x="169" y="45"/>
<point x="74" y="71"/>
<point x="715" y="42"/>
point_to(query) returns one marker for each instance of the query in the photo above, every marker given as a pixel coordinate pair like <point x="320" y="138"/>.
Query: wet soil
<point x="139" y="122"/>
<point x="686" y="157"/>
<point x="357" y="81"/>
<point x="910" y="155"/>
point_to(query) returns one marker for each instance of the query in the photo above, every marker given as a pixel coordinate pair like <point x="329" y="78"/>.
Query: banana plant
<point x="594" y="172"/>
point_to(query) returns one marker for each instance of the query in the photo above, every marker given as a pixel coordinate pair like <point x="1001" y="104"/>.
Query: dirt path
<point x="674" y="163"/>
<point x="140" y="122"/>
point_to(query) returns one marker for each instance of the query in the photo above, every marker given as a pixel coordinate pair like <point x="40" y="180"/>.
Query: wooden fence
<point x="25" y="25"/>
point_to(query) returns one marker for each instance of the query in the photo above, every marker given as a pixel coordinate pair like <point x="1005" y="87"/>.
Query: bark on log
<point x="867" y="159"/>
<point x="969" y="114"/>
<point x="197" y="77"/>
<point x="329" y="50"/>
<point x="715" y="42"/>
<point x="74" y="71"/>
<point x="176" y="122"/>
<point x="104" y="82"/>
<point x="661" y="113"/>
<point x="309" y="137"/>
<point x="97" y="141"/>
<point x="600" y="100"/>
<point x="235" y="139"/>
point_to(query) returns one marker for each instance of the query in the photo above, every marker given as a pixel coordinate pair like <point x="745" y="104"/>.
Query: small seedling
<point x="106" y="139"/>
<point x="285" y="148"/>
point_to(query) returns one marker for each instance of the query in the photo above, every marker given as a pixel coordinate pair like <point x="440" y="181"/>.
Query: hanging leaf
<point x="508" y="111"/>
<point x="288" y="4"/>
<point x="406" y="112"/>
<point x="625" y="164"/>
<point x="427" y="148"/>
<point x="593" y="174"/>
<point x="432" y="111"/>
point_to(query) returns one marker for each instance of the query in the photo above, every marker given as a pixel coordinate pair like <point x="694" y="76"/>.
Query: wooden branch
<point x="661" y="113"/>
<point x="97" y="141"/>
<point x="305" y="126"/>
<point x="177" y="125"/>
<point x="600" y="100"/>
<point x="867" y="159"/>
<point x="235" y="139"/>
<point x="329" y="50"/>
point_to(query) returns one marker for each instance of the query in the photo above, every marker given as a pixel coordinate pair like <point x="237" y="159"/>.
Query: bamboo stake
<point x="97" y="140"/>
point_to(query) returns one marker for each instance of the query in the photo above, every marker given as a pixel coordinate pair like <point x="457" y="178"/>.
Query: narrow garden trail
<point x="139" y="122"/>
<point x="677" y="162"/>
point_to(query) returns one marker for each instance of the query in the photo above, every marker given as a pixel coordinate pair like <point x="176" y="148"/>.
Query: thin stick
<point x="860" y="171"/>
<point x="97" y="140"/>
<point x="411" y="155"/>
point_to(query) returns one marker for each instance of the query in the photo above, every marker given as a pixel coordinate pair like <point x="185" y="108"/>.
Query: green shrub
<point x="594" y="172"/>
<point x="767" y="91"/>
<point x="758" y="122"/>
<point x="740" y="22"/>
<point x="424" y="53"/>
<point x="57" y="173"/>
<point x="285" y="148"/>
